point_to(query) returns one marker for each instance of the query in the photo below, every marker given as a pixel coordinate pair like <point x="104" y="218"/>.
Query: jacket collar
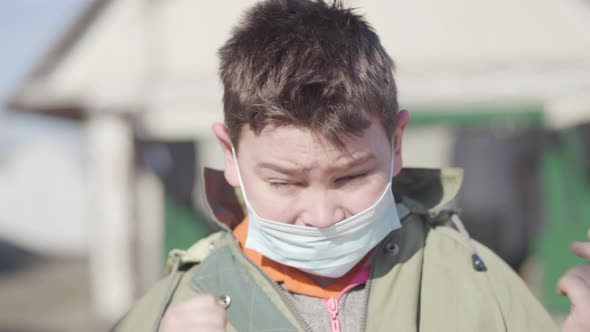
<point x="420" y="190"/>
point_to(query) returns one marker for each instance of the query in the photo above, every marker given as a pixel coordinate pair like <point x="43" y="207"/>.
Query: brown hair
<point x="306" y="63"/>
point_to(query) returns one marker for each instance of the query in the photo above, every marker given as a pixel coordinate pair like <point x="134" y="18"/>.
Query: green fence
<point x="567" y="207"/>
<point x="566" y="187"/>
<point x="183" y="226"/>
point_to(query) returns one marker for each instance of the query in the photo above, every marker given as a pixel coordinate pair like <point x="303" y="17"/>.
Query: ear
<point x="402" y="119"/>
<point x="223" y="137"/>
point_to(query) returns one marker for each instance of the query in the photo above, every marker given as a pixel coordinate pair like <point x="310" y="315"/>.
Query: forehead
<point x="303" y="148"/>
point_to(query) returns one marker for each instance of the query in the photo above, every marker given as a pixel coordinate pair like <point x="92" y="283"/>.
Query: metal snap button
<point x="224" y="300"/>
<point x="392" y="248"/>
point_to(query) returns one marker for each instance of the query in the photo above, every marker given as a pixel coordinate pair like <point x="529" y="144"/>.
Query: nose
<point x="322" y="211"/>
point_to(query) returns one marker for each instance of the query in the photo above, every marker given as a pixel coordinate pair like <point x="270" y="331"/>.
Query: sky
<point x="28" y="28"/>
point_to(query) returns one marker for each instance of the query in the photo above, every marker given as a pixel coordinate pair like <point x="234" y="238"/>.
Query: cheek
<point x="268" y="204"/>
<point x="362" y="199"/>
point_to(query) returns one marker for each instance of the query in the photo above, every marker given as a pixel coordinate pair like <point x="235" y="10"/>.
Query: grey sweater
<point x="351" y="309"/>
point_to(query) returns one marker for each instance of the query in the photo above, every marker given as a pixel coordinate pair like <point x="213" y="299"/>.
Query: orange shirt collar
<point x="293" y="279"/>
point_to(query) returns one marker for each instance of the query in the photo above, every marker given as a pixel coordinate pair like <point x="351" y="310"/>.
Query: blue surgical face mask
<point x="327" y="252"/>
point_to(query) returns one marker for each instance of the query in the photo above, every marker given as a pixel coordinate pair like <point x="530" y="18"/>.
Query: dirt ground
<point x="48" y="295"/>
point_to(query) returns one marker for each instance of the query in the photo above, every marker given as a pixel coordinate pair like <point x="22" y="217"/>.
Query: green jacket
<point x="436" y="279"/>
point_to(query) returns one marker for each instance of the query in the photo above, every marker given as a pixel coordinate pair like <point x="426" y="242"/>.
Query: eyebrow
<point x="353" y="162"/>
<point x="284" y="170"/>
<point x="348" y="164"/>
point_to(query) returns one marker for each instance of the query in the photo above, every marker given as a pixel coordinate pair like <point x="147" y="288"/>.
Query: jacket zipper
<point x="333" y="308"/>
<point x="368" y="286"/>
<point x="279" y="291"/>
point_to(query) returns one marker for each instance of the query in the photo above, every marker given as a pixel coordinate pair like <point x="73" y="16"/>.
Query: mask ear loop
<point x="391" y="170"/>
<point x="233" y="151"/>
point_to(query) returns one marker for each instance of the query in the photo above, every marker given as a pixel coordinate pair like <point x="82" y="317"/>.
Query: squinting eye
<point x="352" y="177"/>
<point x="279" y="184"/>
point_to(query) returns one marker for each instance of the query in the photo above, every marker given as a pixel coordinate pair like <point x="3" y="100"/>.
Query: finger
<point x="203" y="312"/>
<point x="581" y="249"/>
<point x="583" y="272"/>
<point x="201" y="303"/>
<point x="576" y="289"/>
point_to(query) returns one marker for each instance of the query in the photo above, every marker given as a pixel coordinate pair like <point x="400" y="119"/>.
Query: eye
<point x="280" y="184"/>
<point x="352" y="177"/>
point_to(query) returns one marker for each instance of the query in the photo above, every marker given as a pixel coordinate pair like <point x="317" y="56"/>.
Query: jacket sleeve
<point x="519" y="307"/>
<point x="457" y="297"/>
<point x="143" y="314"/>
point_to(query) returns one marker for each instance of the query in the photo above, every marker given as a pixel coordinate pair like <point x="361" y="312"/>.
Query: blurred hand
<point x="575" y="284"/>
<point x="201" y="313"/>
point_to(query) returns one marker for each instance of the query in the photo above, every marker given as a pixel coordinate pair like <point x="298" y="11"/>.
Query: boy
<point x="326" y="241"/>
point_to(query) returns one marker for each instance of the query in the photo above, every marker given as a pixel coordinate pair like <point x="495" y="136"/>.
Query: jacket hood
<point x="422" y="190"/>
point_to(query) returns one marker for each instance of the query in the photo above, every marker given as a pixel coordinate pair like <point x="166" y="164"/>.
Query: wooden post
<point x="110" y="172"/>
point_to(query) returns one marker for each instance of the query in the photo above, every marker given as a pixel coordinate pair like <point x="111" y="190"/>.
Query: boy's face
<point x="291" y="175"/>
